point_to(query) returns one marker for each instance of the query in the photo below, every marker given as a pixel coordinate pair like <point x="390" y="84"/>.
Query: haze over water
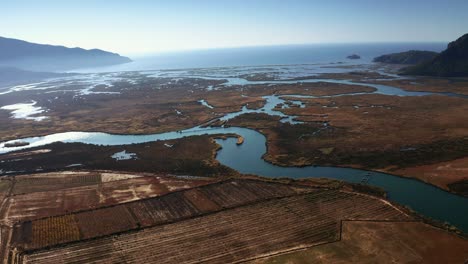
<point x="268" y="55"/>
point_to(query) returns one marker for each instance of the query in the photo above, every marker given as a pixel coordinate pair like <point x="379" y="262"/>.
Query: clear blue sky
<point x="142" y="26"/>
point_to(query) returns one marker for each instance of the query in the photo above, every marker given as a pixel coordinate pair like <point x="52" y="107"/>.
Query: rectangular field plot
<point x="105" y="221"/>
<point x="54" y="181"/>
<point x="201" y="201"/>
<point x="236" y="193"/>
<point x="54" y="230"/>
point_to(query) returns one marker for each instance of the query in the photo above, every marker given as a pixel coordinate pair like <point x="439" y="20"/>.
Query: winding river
<point x="247" y="158"/>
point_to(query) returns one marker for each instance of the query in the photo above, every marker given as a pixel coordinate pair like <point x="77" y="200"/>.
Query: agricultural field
<point x="378" y="242"/>
<point x="153" y="211"/>
<point x="234" y="220"/>
<point x="47" y="194"/>
<point x="50" y="182"/>
<point x="43" y="195"/>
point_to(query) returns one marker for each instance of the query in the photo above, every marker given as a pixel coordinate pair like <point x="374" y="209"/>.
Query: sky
<point x="150" y="26"/>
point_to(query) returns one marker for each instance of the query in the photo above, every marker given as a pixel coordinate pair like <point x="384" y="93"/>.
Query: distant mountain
<point x="13" y="76"/>
<point x="39" y="57"/>
<point x="452" y="62"/>
<point x="408" y="57"/>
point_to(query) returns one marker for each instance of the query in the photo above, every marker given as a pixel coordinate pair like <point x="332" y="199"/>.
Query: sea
<point x="267" y="55"/>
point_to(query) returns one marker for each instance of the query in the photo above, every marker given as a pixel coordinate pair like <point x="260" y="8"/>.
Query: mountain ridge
<point x="452" y="62"/>
<point x="46" y="57"/>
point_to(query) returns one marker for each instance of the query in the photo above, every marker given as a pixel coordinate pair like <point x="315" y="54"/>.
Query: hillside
<point x="452" y="62"/>
<point x="40" y="57"/>
<point x="408" y="57"/>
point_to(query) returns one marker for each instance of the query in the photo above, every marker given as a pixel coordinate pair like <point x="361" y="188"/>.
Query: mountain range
<point x="40" y="57"/>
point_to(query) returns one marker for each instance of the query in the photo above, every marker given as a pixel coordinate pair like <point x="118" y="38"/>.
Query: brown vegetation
<point x="439" y="85"/>
<point x="448" y="175"/>
<point x="375" y="132"/>
<point x="186" y="156"/>
<point x="147" y="107"/>
<point x="313" y="89"/>
<point x="144" y="109"/>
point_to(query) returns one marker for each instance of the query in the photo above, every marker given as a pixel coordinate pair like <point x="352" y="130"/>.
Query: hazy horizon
<point x="137" y="54"/>
<point x="169" y="52"/>
<point x="153" y="27"/>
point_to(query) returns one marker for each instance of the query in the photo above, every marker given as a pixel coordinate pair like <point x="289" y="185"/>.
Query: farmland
<point x="186" y="220"/>
<point x="150" y="212"/>
<point x="57" y="193"/>
<point x="377" y="242"/>
<point x="44" y="195"/>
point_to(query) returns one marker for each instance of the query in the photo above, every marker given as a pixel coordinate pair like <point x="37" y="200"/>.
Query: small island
<point x="353" y="57"/>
